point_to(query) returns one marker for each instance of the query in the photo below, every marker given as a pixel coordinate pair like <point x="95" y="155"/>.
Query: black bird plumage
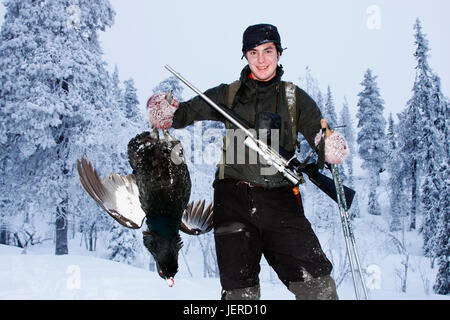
<point x="158" y="190"/>
<point x="164" y="192"/>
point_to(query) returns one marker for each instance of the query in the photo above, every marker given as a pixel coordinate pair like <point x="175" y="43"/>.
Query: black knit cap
<point x="259" y="34"/>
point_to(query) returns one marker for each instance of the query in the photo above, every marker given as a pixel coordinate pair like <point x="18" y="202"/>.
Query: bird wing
<point x="196" y="219"/>
<point x="116" y="194"/>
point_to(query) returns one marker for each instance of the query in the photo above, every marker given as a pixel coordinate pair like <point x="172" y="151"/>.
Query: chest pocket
<point x="289" y="96"/>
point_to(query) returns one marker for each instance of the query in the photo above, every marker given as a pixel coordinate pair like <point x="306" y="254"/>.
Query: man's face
<point x="263" y="61"/>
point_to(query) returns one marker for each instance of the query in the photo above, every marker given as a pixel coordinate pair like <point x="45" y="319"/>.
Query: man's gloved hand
<point x="336" y="148"/>
<point x="161" y="108"/>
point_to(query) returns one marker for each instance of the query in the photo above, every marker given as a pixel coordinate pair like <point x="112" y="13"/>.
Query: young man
<point x="257" y="213"/>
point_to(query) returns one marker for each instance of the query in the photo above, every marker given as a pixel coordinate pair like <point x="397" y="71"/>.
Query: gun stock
<point x="326" y="184"/>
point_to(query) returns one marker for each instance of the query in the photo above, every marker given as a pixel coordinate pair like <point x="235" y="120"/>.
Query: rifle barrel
<point x="279" y="162"/>
<point x="209" y="101"/>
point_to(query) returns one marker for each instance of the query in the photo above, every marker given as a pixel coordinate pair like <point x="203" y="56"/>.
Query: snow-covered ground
<point x="39" y="274"/>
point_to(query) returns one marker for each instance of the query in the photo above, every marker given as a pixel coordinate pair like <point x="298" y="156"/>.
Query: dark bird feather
<point x="158" y="192"/>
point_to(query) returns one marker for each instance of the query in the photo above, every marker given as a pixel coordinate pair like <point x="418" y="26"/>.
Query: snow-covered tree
<point x="55" y="104"/>
<point x="330" y="110"/>
<point x="434" y="157"/>
<point x="424" y="145"/>
<point x="441" y="249"/>
<point x="131" y="104"/>
<point x="433" y="183"/>
<point x="411" y="118"/>
<point x="348" y="132"/>
<point x="442" y="245"/>
<point x="124" y="245"/>
<point x="117" y="91"/>
<point x="440" y="113"/>
<point x="311" y="86"/>
<point x="396" y="180"/>
<point x="133" y="119"/>
<point x="371" y="137"/>
<point x="171" y="83"/>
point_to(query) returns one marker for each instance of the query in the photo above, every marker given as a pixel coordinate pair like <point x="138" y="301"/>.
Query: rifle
<point x="283" y="161"/>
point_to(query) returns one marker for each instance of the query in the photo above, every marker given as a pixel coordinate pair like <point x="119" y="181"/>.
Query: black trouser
<point x="251" y="221"/>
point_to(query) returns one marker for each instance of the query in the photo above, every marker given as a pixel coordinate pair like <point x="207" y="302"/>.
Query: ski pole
<point x="348" y="232"/>
<point x="346" y="223"/>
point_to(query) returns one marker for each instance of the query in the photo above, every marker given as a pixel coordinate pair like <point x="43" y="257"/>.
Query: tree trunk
<point x="405" y="274"/>
<point x="373" y="205"/>
<point x="92" y="237"/>
<point x="412" y="225"/>
<point x="4" y="235"/>
<point x="61" y="225"/>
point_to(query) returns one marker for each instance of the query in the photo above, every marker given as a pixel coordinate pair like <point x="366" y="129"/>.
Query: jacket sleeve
<point x="197" y="109"/>
<point x="308" y="120"/>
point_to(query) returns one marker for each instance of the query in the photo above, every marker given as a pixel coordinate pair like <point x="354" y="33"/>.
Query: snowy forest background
<point x="58" y="101"/>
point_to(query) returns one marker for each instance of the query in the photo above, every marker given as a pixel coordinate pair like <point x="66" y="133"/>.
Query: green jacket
<point x="251" y="98"/>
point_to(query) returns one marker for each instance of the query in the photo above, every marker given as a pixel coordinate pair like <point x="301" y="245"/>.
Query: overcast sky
<point x="337" y="39"/>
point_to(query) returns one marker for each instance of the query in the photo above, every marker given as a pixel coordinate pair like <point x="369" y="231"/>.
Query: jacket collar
<point x="258" y="85"/>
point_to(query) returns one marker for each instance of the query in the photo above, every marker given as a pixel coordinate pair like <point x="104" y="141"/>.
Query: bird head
<point x="165" y="252"/>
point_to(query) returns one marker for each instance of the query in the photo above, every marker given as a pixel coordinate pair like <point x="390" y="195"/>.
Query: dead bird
<point x="157" y="191"/>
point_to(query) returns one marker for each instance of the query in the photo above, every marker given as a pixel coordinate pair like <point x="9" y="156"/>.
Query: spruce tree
<point x="305" y="148"/>
<point x="442" y="250"/>
<point x="433" y="183"/>
<point x="330" y="110"/>
<point x="123" y="245"/>
<point x="396" y="178"/>
<point x="425" y="146"/>
<point x="311" y="86"/>
<point x="348" y="132"/>
<point x="133" y="112"/>
<point x="434" y="160"/>
<point x="117" y="91"/>
<point x="440" y="109"/>
<point x="136" y="120"/>
<point x="371" y="137"/>
<point x="171" y="83"/>
<point x="442" y="245"/>
<point x="411" y="119"/>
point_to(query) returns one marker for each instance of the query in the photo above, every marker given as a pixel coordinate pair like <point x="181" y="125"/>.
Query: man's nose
<point x="261" y="57"/>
